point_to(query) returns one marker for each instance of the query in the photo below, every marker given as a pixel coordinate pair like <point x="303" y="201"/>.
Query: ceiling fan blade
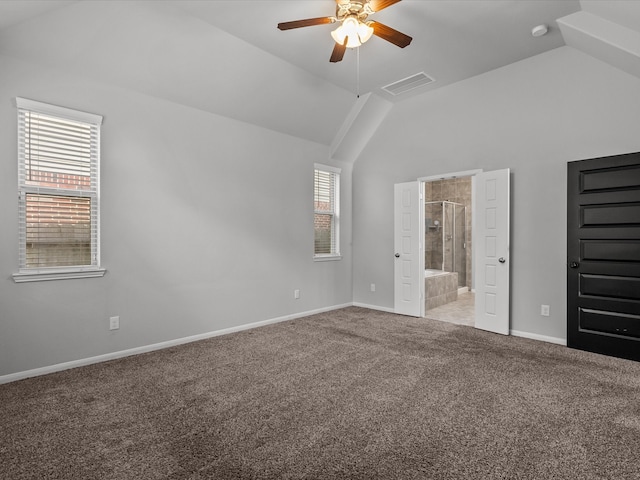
<point x="338" y="51"/>
<point x="377" y="5"/>
<point x="309" y="22"/>
<point x="390" y="35"/>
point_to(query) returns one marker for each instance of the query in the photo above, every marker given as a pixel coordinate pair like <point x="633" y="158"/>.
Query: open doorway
<point x="448" y="221"/>
<point x="490" y="252"/>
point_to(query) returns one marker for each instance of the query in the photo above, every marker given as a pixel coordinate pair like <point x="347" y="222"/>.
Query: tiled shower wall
<point x="456" y="190"/>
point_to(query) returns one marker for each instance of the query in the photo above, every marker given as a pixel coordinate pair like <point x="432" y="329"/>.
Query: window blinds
<point x="58" y="156"/>
<point x="325" y="199"/>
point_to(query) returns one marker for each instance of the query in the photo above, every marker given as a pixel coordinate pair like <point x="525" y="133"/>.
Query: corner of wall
<point x="359" y="126"/>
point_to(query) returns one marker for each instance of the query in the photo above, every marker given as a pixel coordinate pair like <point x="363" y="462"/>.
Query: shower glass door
<point x="446" y="238"/>
<point x="448" y="232"/>
<point x="460" y="244"/>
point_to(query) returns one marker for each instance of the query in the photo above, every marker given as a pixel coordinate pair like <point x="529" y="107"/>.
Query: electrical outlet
<point x="114" y="323"/>
<point x="544" y="310"/>
<point x="296" y="293"/>
<point x="373" y="287"/>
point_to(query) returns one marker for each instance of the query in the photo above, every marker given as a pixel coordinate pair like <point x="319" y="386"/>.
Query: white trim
<point x="541" y="338"/>
<point x="68" y="113"/>
<point x="39" y="276"/>
<point x="465" y="173"/>
<point x="13" y="377"/>
<point x="515" y="333"/>
<point x="334" y="174"/>
<point x="374" y="307"/>
<point x="92" y="122"/>
<point x="326" y="258"/>
<point x="327" y="168"/>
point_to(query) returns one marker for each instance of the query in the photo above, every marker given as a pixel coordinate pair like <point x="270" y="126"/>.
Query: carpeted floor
<point x="349" y="394"/>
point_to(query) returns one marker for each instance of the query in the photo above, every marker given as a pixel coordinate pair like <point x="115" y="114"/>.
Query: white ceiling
<point x="228" y="57"/>
<point x="452" y="39"/>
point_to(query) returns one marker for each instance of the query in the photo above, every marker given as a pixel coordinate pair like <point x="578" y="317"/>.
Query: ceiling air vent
<point x="409" y="83"/>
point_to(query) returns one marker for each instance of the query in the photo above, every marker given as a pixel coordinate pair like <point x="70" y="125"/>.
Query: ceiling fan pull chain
<point x="358" y="72"/>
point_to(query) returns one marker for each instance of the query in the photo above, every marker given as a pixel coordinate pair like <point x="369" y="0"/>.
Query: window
<point x="58" y="186"/>
<point x="326" y="201"/>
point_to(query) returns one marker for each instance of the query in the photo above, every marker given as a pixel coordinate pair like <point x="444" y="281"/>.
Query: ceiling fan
<point x="355" y="28"/>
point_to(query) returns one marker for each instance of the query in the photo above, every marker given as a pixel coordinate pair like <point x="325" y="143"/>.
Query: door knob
<point x="397" y="255"/>
<point x="501" y="260"/>
<point x="574" y="265"/>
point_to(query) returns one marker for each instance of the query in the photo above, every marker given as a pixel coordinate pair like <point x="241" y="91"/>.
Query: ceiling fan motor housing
<point x="354" y="29"/>
<point x="357" y="9"/>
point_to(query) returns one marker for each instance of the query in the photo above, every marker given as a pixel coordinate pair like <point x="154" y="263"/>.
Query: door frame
<point x="421" y="231"/>
<point x="605" y="309"/>
<point x="475" y="237"/>
<point x="447" y="176"/>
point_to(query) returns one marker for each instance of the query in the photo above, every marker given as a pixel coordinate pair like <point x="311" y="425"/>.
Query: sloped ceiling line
<point x="605" y="40"/>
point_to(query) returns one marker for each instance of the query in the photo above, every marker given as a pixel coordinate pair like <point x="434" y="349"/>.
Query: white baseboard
<point x="542" y="338"/>
<point x="374" y="307"/>
<point x="13" y="377"/>
<point x="515" y="333"/>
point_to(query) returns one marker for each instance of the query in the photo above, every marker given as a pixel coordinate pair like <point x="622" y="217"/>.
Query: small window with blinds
<point x="58" y="183"/>
<point x="326" y="201"/>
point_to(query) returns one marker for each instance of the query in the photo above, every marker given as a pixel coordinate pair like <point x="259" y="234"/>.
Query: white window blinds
<point x="326" y="211"/>
<point x="58" y="182"/>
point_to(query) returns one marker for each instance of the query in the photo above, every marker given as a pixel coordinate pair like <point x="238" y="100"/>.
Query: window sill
<point x="65" y="274"/>
<point x="327" y="258"/>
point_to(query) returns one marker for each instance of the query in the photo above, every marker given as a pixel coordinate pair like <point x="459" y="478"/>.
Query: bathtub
<point x="440" y="288"/>
<point x="433" y="273"/>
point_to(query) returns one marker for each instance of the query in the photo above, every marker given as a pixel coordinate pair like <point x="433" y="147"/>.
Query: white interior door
<point x="409" y="269"/>
<point x="491" y="251"/>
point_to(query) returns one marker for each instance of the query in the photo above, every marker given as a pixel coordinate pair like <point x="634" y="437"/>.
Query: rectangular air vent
<point x="409" y="83"/>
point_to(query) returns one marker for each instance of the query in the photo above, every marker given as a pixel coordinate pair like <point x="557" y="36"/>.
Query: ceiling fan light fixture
<point x="353" y="27"/>
<point x="357" y="32"/>
<point x="365" y="32"/>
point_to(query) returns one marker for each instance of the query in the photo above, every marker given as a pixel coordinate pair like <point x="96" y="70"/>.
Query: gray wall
<point x="533" y="117"/>
<point x="207" y="223"/>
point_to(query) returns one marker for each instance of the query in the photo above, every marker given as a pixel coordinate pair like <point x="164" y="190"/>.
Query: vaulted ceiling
<point x="228" y="57"/>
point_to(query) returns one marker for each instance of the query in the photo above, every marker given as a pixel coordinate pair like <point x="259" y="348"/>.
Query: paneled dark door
<point x="603" y="255"/>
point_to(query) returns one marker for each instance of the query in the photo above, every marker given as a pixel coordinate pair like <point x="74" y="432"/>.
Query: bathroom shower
<point x="445" y="245"/>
